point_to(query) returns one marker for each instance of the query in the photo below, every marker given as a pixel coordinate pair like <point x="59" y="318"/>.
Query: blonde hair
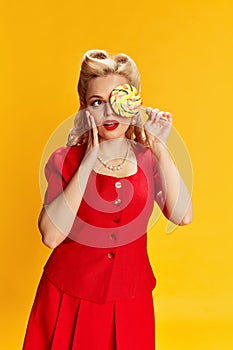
<point x="97" y="63"/>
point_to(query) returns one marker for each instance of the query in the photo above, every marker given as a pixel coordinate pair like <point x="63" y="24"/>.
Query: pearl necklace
<point x="114" y="167"/>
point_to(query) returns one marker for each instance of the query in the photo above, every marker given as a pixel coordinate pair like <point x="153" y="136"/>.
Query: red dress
<point x="95" y="292"/>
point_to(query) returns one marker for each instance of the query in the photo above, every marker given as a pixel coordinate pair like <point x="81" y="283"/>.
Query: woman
<point x="96" y="289"/>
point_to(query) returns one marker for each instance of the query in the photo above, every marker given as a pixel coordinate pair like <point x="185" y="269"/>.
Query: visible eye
<point x="96" y="103"/>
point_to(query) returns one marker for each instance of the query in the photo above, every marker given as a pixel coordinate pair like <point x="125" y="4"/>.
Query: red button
<point x="117" y="219"/>
<point x="110" y="255"/>
<point x="118" y="184"/>
<point x="117" y="201"/>
<point x="114" y="236"/>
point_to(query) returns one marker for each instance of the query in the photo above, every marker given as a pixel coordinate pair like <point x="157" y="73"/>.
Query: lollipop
<point x="125" y="100"/>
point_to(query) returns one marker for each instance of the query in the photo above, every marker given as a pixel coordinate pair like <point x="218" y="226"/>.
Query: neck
<point x="114" y="148"/>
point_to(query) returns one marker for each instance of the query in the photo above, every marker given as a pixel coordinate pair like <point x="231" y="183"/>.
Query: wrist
<point x="159" y="148"/>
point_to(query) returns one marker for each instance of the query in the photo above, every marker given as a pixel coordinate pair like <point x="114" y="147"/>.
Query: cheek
<point x="125" y="123"/>
<point x="101" y="131"/>
<point x="97" y="115"/>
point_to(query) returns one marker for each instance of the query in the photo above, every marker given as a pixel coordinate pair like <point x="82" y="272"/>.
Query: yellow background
<point x="185" y="55"/>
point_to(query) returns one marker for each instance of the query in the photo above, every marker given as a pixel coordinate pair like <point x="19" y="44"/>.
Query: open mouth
<point x="111" y="124"/>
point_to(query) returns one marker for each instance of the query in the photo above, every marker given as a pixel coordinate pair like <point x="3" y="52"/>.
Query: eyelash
<point x="94" y="105"/>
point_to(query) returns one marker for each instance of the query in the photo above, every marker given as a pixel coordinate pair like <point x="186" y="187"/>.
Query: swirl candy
<point x="125" y="100"/>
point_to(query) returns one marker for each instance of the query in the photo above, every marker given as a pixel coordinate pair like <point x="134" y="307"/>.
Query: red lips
<point x="110" y="124"/>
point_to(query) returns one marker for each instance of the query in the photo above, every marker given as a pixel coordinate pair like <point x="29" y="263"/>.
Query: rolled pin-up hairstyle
<point x="97" y="63"/>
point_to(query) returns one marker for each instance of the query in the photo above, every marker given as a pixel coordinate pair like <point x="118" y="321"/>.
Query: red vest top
<point x="105" y="254"/>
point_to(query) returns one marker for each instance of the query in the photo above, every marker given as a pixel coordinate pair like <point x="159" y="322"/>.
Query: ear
<point x="82" y="104"/>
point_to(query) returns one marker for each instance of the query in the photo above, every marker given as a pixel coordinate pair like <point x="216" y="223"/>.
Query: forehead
<point x="102" y="86"/>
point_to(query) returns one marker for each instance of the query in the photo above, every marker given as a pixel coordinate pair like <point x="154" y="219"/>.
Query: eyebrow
<point x="94" y="96"/>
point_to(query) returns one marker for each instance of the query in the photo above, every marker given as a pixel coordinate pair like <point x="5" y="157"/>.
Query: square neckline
<point x="116" y="177"/>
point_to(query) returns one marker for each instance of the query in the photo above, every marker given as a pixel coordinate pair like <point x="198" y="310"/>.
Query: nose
<point x="108" y="109"/>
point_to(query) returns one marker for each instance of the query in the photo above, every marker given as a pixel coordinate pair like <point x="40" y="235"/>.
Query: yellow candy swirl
<point x="125" y="100"/>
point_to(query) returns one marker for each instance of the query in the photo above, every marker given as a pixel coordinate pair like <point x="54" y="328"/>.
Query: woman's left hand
<point x="158" y="125"/>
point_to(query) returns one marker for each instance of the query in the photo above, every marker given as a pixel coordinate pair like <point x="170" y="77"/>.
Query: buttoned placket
<point x="116" y="218"/>
<point x="117" y="202"/>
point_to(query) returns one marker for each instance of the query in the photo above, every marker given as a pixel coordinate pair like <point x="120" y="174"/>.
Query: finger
<point x="155" y="112"/>
<point x="165" y="119"/>
<point x="92" y="121"/>
<point x="168" y="115"/>
<point x="95" y="138"/>
<point x="160" y="115"/>
<point x="155" y="115"/>
<point x="88" y="119"/>
<point x="94" y="131"/>
<point x="149" y="112"/>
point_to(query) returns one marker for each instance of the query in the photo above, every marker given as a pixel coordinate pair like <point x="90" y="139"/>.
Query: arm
<point x="56" y="219"/>
<point x="177" y="205"/>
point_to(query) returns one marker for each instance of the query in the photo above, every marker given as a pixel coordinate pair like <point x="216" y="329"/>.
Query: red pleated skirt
<point x="61" y="322"/>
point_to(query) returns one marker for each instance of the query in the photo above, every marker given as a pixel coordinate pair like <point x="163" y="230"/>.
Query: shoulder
<point x="138" y="147"/>
<point x="145" y="157"/>
<point x="65" y="160"/>
<point x="142" y="151"/>
<point x="66" y="154"/>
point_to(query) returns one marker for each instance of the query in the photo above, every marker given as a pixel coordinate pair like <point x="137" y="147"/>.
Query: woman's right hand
<point x="93" y="140"/>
